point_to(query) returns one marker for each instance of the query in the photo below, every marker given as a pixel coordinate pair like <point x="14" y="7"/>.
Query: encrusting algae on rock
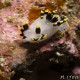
<point x="50" y="48"/>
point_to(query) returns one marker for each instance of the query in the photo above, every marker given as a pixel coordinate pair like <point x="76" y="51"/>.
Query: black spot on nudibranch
<point x="21" y="34"/>
<point x="38" y="30"/>
<point x="25" y="27"/>
<point x="55" y="19"/>
<point x="58" y="24"/>
<point x="42" y="36"/>
<point x="47" y="13"/>
<point x="49" y="17"/>
<point x="24" y="37"/>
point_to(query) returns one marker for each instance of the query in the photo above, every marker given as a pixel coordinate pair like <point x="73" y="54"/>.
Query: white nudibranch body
<point x="44" y="28"/>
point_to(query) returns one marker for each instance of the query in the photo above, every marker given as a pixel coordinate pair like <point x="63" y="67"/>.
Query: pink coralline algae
<point x="73" y="48"/>
<point x="50" y="46"/>
<point x="10" y="55"/>
<point x="76" y="70"/>
<point x="14" y="14"/>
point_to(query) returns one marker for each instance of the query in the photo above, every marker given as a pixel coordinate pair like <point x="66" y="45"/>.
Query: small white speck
<point x="21" y="79"/>
<point x="2" y="64"/>
<point x="2" y="59"/>
<point x="59" y="54"/>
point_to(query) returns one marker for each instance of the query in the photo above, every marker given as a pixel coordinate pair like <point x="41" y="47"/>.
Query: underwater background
<point x="26" y="58"/>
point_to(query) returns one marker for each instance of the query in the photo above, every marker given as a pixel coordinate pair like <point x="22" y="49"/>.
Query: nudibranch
<point x="44" y="27"/>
